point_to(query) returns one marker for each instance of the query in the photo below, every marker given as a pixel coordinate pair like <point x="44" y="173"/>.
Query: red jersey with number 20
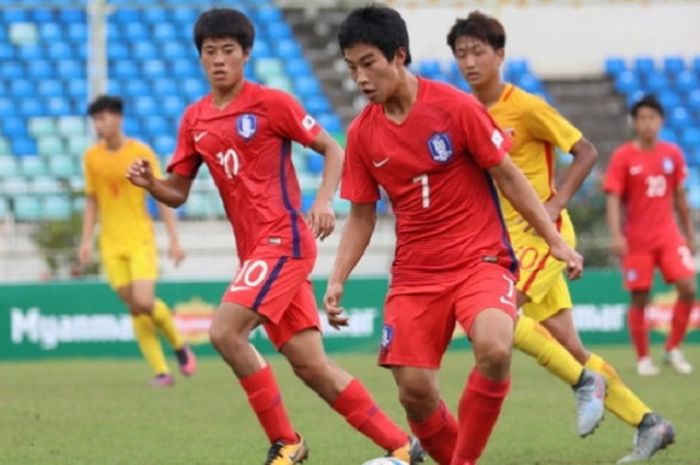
<point x="432" y="166"/>
<point x="646" y="181"/>
<point x="247" y="148"/>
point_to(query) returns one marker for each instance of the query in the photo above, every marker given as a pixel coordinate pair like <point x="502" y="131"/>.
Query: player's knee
<point x="686" y="292"/>
<point x="419" y="400"/>
<point x="141" y="306"/>
<point x="311" y="370"/>
<point x="494" y="360"/>
<point x="222" y="337"/>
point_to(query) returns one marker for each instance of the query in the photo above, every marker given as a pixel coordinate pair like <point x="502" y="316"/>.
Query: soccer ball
<point x="385" y="461"/>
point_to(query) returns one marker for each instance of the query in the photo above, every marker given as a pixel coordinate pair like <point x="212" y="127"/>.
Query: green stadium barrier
<point x="86" y="319"/>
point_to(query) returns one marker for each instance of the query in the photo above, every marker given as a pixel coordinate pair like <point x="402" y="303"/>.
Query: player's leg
<point x="678" y="266"/>
<point x="485" y="308"/>
<point x="638" y="271"/>
<point x="345" y="394"/>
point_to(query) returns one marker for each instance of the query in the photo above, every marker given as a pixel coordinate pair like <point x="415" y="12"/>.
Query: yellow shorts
<point x="541" y="277"/>
<point x="125" y="266"/>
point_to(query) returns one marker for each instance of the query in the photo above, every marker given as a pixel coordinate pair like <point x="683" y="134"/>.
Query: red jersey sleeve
<point x="357" y="184"/>
<point x="681" y="173"/>
<point x="289" y="119"/>
<point x="486" y="142"/>
<point x="185" y="160"/>
<point x="614" y="182"/>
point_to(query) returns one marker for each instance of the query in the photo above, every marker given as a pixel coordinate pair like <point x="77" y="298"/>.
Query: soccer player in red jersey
<point x="243" y="132"/>
<point x="436" y="152"/>
<point x="645" y="176"/>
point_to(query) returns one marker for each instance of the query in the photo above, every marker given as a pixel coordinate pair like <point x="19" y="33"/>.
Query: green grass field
<point x="81" y="412"/>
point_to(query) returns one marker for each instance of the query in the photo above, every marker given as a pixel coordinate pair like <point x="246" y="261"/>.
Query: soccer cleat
<point x="590" y="401"/>
<point x="653" y="434"/>
<point x="412" y="452"/>
<point x="187" y="360"/>
<point x="162" y="380"/>
<point x="646" y="367"/>
<point x="287" y="454"/>
<point x="676" y="359"/>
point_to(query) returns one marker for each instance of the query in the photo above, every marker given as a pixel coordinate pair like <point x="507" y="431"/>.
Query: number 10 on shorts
<point x="252" y="273"/>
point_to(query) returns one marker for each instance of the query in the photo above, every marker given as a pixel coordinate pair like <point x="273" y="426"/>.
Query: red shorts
<point x="279" y="289"/>
<point x="674" y="259"/>
<point x="419" y="321"/>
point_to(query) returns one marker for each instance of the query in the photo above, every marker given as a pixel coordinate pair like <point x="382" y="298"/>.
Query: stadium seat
<point x="627" y="82"/>
<point x="430" y="69"/>
<point x="77" y="32"/>
<point x="14" y="186"/>
<point x="72" y="15"/>
<point x="164" y="32"/>
<point x="298" y="67"/>
<point x="57" y="207"/>
<point x="307" y="200"/>
<point x="61" y="166"/>
<point x="50" y="145"/>
<point x="145" y="51"/>
<point x="27" y="209"/>
<point x="690" y="138"/>
<point x="185" y="16"/>
<point x="32" y="166"/>
<point x="314" y="163"/>
<point x="679" y="118"/>
<point x="45" y="185"/>
<point x="164" y="145"/>
<point x="11" y="71"/>
<point x="669" y="135"/>
<point x="155" y="15"/>
<point x="58" y="106"/>
<point x="12" y="126"/>
<point x="279" y="82"/>
<point x="268" y="15"/>
<point x="156" y="125"/>
<point x="656" y="82"/>
<point x="70" y="70"/>
<point x="686" y="82"/>
<point x="24" y="34"/>
<point x="22" y="89"/>
<point x="673" y="65"/>
<point x="164" y="87"/>
<point x="7" y="52"/>
<point x="185" y="68"/>
<point x="198" y="206"/>
<point x="77" y="88"/>
<point x="77" y="145"/>
<point x="4" y="208"/>
<point x="317" y="105"/>
<point x="146" y="106"/>
<point x="261" y="49"/>
<point x="341" y="206"/>
<point x="69" y="126"/>
<point x="76" y="183"/>
<point x="136" y="32"/>
<point x="287" y="49"/>
<point x="670" y="99"/>
<point x="126" y="16"/>
<point x="30" y="107"/>
<point x="8" y="166"/>
<point x="22" y="146"/>
<point x="279" y="30"/>
<point x="307" y="86"/>
<point x="693" y="100"/>
<point x="125" y="70"/>
<point x="78" y="203"/>
<point x="267" y="68"/>
<point x="137" y="88"/>
<point x="614" y="66"/>
<point x="175" y="50"/>
<point x="154" y="69"/>
<point x="117" y="50"/>
<point x="644" y="65"/>
<point x="173" y="106"/>
<point x="529" y="83"/>
<point x="42" y="15"/>
<point x="49" y="88"/>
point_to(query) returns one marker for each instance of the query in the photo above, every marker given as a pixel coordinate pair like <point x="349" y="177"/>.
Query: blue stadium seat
<point x="58" y="106"/>
<point x="50" y="32"/>
<point x="627" y="82"/>
<point x="137" y="88"/>
<point x="193" y="88"/>
<point x="173" y="106"/>
<point x="117" y="50"/>
<point x="7" y="52"/>
<point x="670" y="99"/>
<point x="77" y="88"/>
<point x="12" y="70"/>
<point x="126" y="16"/>
<point x="165" y="32"/>
<point x="27" y="209"/>
<point x="43" y="184"/>
<point x="164" y="87"/>
<point x="70" y="69"/>
<point x="49" y="88"/>
<point x="267" y="15"/>
<point x="185" y="68"/>
<point x="155" y="15"/>
<point x="7" y="109"/>
<point x="57" y="207"/>
<point x="61" y="166"/>
<point x="644" y="65"/>
<point x="330" y="122"/>
<point x="298" y="67"/>
<point x="42" y="69"/>
<point x="692" y="157"/>
<point x="690" y="138"/>
<point x="124" y="70"/>
<point x="529" y="83"/>
<point x="686" y="81"/>
<point x="185" y="16"/>
<point x="261" y="49"/>
<point x="307" y="86"/>
<point x="674" y="65"/>
<point x="156" y="125"/>
<point x="614" y="66"/>
<point x="287" y="49"/>
<point x="115" y="86"/>
<point x="146" y="106"/>
<point x="136" y="32"/>
<point x="679" y="118"/>
<point x="131" y="125"/>
<point x="174" y="50"/>
<point x="430" y="69"/>
<point x="23" y="146"/>
<point x="22" y="89"/>
<point x="77" y="32"/>
<point x="3" y="89"/>
<point x="12" y="125"/>
<point x="656" y="82"/>
<point x="279" y="30"/>
<point x="8" y="166"/>
<point x="153" y="69"/>
<point x="31" y="106"/>
<point x="145" y="51"/>
<point x="317" y="105"/>
<point x="30" y="53"/>
<point x="72" y="15"/>
<point x="12" y="15"/>
<point x="42" y="15"/>
<point x="164" y="145"/>
<point x="693" y="100"/>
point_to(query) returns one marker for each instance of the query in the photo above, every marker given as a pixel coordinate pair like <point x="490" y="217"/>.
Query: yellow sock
<point x="533" y="339"/>
<point x="620" y="400"/>
<point x="164" y="320"/>
<point x="145" y="332"/>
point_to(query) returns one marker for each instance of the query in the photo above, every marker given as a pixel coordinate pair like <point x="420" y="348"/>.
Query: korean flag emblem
<point x="440" y="147"/>
<point x="668" y="165"/>
<point x="246" y="125"/>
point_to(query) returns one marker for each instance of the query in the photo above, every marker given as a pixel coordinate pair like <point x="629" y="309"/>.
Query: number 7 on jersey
<point x="425" y="188"/>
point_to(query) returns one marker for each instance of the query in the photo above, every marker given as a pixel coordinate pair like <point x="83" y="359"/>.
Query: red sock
<point x="679" y="324"/>
<point x="358" y="408"/>
<point x="638" y="331"/>
<point x="479" y="409"/>
<point x="437" y="434"/>
<point x="265" y="398"/>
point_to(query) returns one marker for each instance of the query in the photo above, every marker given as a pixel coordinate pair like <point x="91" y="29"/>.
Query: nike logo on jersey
<point x="238" y="288"/>
<point x="636" y="169"/>
<point x="379" y="164"/>
<point x="199" y="136"/>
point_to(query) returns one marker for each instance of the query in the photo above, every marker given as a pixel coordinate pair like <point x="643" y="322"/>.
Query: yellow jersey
<point x="536" y="128"/>
<point x="123" y="216"/>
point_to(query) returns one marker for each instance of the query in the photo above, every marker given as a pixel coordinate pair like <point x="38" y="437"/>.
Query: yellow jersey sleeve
<point x="88" y="174"/>
<point x="547" y="124"/>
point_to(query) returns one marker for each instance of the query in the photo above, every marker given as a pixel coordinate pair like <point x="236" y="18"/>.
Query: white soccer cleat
<point x="646" y="367"/>
<point x="677" y="360"/>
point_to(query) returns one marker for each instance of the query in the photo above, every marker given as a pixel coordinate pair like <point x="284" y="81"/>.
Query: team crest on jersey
<point x="387" y="336"/>
<point x="246" y="125"/>
<point x="631" y="275"/>
<point x="668" y="165"/>
<point x="440" y="147"/>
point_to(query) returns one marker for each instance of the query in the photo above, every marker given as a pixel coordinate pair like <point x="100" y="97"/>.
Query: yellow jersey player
<point x="478" y="43"/>
<point x="127" y="242"/>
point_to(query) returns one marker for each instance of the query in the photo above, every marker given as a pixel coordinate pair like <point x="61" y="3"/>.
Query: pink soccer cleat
<point x="162" y="380"/>
<point x="187" y="360"/>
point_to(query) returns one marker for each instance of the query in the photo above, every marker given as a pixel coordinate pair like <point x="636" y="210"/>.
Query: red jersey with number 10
<point x="646" y="181"/>
<point x="432" y="166"/>
<point x="247" y="148"/>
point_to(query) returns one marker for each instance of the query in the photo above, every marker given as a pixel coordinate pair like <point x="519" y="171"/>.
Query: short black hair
<point x="648" y="101"/>
<point x="108" y="103"/>
<point x="224" y="23"/>
<point x="378" y="26"/>
<point x="480" y="26"/>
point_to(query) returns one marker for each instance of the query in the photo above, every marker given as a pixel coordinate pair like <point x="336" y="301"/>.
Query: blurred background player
<point x="646" y="176"/>
<point x="127" y="242"/>
<point x="536" y="128"/>
<point x="243" y="132"/>
<point x="435" y="151"/>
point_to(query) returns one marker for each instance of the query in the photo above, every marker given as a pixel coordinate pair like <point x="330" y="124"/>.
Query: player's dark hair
<point x="480" y="26"/>
<point x="378" y="26"/>
<point x="648" y="101"/>
<point x="224" y="23"/>
<point x="108" y="103"/>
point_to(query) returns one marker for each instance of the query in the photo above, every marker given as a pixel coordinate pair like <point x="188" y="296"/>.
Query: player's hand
<point x="321" y="218"/>
<point x="618" y="245"/>
<point x="140" y="173"/>
<point x="331" y="304"/>
<point x="85" y="253"/>
<point x="176" y="253"/>
<point x="553" y="208"/>
<point x="573" y="260"/>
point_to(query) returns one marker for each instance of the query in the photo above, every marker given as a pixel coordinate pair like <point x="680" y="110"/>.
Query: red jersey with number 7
<point x="247" y="148"/>
<point x="646" y="182"/>
<point x="433" y="168"/>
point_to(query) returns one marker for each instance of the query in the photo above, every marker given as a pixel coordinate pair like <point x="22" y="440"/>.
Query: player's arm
<point x="321" y="214"/>
<point x="522" y="196"/>
<point x="172" y="191"/>
<point x="353" y="243"/>
<point x="685" y="216"/>
<point x="613" y="215"/>
<point x="175" y="251"/>
<point x="89" y="221"/>
<point x="585" y="156"/>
